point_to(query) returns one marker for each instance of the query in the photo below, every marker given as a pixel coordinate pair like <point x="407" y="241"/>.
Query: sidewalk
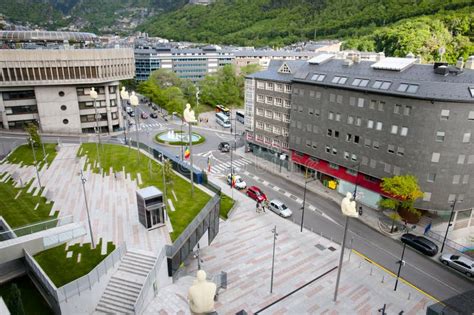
<point x="304" y="263"/>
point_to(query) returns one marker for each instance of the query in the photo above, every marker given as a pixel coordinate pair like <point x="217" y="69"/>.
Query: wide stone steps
<point x="125" y="285"/>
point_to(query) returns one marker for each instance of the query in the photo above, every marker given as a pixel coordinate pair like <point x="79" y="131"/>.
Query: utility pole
<point x="449" y="224"/>
<point x="304" y="202"/>
<point x="84" y="180"/>
<point x="401" y="262"/>
<point x="275" y="234"/>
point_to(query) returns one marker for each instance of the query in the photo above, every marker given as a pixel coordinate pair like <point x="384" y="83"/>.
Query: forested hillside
<point x="281" y="22"/>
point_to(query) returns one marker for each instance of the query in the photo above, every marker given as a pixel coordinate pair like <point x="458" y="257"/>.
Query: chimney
<point x="460" y="63"/>
<point x="469" y="63"/>
<point x="379" y="56"/>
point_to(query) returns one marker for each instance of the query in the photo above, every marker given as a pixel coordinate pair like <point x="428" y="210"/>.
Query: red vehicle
<point x="256" y="194"/>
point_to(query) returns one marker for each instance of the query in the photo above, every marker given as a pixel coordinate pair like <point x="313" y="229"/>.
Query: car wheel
<point x="445" y="262"/>
<point x="468" y="274"/>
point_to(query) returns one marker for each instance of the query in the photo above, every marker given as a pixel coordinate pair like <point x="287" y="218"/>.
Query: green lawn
<point x="226" y="204"/>
<point x="62" y="270"/>
<point x="33" y="301"/>
<point x="118" y="156"/>
<point x="21" y="211"/>
<point x="24" y="154"/>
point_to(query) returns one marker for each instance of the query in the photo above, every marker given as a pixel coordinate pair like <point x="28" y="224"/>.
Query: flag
<point x="208" y="164"/>
<point x="187" y="153"/>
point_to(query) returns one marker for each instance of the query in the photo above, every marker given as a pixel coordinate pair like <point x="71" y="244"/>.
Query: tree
<point x="404" y="190"/>
<point x="14" y="302"/>
<point x="222" y="88"/>
<point x="168" y="170"/>
<point x="395" y="217"/>
<point x="34" y="136"/>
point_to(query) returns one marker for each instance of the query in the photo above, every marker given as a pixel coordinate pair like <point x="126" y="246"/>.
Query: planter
<point x="408" y="216"/>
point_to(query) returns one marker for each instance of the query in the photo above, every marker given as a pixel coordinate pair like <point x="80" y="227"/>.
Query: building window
<point x="394" y="129"/>
<point x="339" y="80"/>
<point x="409" y="88"/>
<point x="331" y="116"/>
<point x="426" y="196"/>
<point x="381" y="105"/>
<point x="339" y="99"/>
<point x="372" y="104"/>
<point x="470" y="159"/>
<point x="391" y="149"/>
<point x="451" y="198"/>
<point x="328" y="149"/>
<point x="400" y="151"/>
<point x="396" y="170"/>
<point x="358" y="121"/>
<point x="334" y="151"/>
<point x="352" y="101"/>
<point x="278" y="102"/>
<point x="61" y="93"/>
<point x="465" y="179"/>
<point x="260" y="85"/>
<point x="334" y="166"/>
<point x="260" y="111"/>
<point x="277" y="116"/>
<point x="378" y="126"/>
<point x="404" y="131"/>
<point x="370" y="124"/>
<point x="456" y="179"/>
<point x="308" y="143"/>
<point x="431" y="177"/>
<point x="373" y="163"/>
<point x="440" y="136"/>
<point x="260" y="98"/>
<point x="269" y="100"/>
<point x="461" y="159"/>
<point x="407" y="110"/>
<point x="269" y="86"/>
<point x="354" y="158"/>
<point x="65" y="121"/>
<point x="471" y="115"/>
<point x="286" y="104"/>
<point x="318" y="95"/>
<point x="466" y="138"/>
<point x="332" y="98"/>
<point x="368" y="143"/>
<point x="397" y="108"/>
<point x="435" y="157"/>
<point x="346" y="155"/>
<point x="288" y="88"/>
<point x="338" y="117"/>
<point x="360" y="102"/>
<point x="375" y="145"/>
<point x="382" y="85"/>
<point x="360" y="82"/>
<point x="387" y="167"/>
<point x="279" y="87"/>
<point x="63" y="107"/>
<point x="318" y="77"/>
<point x="350" y="120"/>
<point x="268" y="114"/>
<point x="445" y="114"/>
<point x="259" y="125"/>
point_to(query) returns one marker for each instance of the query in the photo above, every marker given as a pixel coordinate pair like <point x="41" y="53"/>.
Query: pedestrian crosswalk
<point x="224" y="168"/>
<point x="142" y="126"/>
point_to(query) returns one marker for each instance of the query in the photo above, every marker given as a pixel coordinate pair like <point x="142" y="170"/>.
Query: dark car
<point x="256" y="194"/>
<point x="224" y="147"/>
<point x="153" y="115"/>
<point x="420" y="243"/>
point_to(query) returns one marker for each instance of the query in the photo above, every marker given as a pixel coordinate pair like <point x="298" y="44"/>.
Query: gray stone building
<point x="359" y="121"/>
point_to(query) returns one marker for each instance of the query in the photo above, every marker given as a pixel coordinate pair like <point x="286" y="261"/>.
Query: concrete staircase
<point x="124" y="286"/>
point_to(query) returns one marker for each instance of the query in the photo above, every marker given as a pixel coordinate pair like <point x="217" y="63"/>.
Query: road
<point x="423" y="272"/>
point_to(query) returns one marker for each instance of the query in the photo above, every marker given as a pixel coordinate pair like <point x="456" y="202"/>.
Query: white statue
<point x="348" y="206"/>
<point x="189" y="114"/>
<point x="201" y="295"/>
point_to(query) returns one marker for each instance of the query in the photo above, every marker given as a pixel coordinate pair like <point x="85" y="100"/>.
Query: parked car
<point x="239" y="182"/>
<point x="256" y="194"/>
<point x="224" y="147"/>
<point x="131" y="114"/>
<point x="154" y="107"/>
<point x="280" y="208"/>
<point x="144" y="115"/>
<point x="153" y="115"/>
<point x="420" y="243"/>
<point x="460" y="263"/>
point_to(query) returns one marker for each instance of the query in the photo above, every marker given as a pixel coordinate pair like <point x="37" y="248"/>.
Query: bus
<point x="223" y="120"/>
<point x="240" y="117"/>
<point x="223" y="109"/>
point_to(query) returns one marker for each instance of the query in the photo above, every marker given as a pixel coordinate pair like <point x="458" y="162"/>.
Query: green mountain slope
<point x="281" y="22"/>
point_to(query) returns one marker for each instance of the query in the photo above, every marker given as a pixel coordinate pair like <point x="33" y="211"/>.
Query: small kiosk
<point x="150" y="207"/>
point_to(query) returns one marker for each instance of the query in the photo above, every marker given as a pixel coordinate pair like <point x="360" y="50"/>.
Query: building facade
<point x="359" y="121"/>
<point x="189" y="63"/>
<point x="51" y="87"/>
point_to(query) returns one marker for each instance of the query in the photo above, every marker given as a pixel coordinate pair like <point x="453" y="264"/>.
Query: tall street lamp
<point x="449" y="224"/>
<point x="401" y="263"/>
<point x="134" y="102"/>
<point x="93" y="95"/>
<point x="275" y="234"/>
<point x="304" y="201"/>
<point x="125" y="96"/>
<point x="84" y="180"/>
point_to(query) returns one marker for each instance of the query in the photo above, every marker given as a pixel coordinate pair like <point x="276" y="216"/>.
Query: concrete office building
<point x="187" y="63"/>
<point x="51" y="87"/>
<point x="384" y="118"/>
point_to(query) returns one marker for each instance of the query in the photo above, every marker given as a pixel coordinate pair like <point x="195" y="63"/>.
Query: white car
<point x="280" y="208"/>
<point x="239" y="182"/>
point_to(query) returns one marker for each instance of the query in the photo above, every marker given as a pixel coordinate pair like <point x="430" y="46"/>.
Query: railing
<point x="449" y="243"/>
<point x="36" y="227"/>
<point x="85" y="282"/>
<point x="148" y="284"/>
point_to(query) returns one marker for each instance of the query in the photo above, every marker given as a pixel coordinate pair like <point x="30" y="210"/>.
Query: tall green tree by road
<point x="34" y="136"/>
<point x="404" y="189"/>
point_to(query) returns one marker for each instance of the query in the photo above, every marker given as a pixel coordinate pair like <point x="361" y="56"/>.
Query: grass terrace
<point x="226" y="205"/>
<point x="62" y="270"/>
<point x="117" y="157"/>
<point x="24" y="154"/>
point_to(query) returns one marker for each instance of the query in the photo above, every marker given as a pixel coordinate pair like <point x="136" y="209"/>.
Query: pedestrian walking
<point x="257" y="207"/>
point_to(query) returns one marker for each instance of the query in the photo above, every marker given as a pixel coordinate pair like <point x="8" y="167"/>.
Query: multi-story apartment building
<point x="51" y="87"/>
<point x="188" y="63"/>
<point x="360" y="121"/>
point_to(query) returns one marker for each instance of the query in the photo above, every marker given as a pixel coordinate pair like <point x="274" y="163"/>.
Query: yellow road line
<point x="394" y="275"/>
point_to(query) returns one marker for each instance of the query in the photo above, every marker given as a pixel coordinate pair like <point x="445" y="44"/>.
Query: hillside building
<point x="360" y="121"/>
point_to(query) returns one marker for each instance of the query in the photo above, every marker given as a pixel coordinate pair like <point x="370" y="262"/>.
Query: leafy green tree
<point x="395" y="217"/>
<point x="168" y="170"/>
<point x="14" y="301"/>
<point x="222" y="87"/>
<point x="32" y="130"/>
<point x="405" y="191"/>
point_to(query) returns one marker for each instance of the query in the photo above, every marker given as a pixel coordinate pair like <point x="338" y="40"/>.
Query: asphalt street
<point x="421" y="271"/>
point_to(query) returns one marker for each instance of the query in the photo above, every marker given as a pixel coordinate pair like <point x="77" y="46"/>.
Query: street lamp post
<point x="36" y="163"/>
<point x="275" y="234"/>
<point x="400" y="263"/>
<point x="93" y="95"/>
<point x="190" y="118"/>
<point x="84" y="180"/>
<point x="449" y="224"/>
<point x="134" y="102"/>
<point x="282" y="158"/>
<point x="125" y="96"/>
<point x="304" y="201"/>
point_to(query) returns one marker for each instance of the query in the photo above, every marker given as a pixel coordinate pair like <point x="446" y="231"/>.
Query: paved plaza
<point x="243" y="249"/>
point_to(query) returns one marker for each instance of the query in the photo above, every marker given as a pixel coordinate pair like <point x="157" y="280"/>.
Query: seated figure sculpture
<point x="201" y="295"/>
<point x="348" y="206"/>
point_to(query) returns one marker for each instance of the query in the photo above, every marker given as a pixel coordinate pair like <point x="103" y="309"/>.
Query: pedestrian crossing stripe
<point x="225" y="167"/>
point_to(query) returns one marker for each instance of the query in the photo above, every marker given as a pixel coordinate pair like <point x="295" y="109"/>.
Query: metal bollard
<point x="360" y="264"/>
<point x="383" y="278"/>
<point x="409" y="295"/>
<point x="371" y="270"/>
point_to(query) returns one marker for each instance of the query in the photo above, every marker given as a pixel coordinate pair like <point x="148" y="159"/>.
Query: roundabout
<point x="177" y="137"/>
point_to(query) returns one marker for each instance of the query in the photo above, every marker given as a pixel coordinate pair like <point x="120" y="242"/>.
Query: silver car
<point x="460" y="263"/>
<point x="280" y="208"/>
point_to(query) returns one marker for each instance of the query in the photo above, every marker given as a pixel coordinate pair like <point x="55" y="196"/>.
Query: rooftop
<point x="46" y="36"/>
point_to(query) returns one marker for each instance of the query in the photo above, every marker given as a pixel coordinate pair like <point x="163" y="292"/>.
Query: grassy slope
<point x="24" y="154"/>
<point x="117" y="156"/>
<point x="226" y="204"/>
<point x="62" y="270"/>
